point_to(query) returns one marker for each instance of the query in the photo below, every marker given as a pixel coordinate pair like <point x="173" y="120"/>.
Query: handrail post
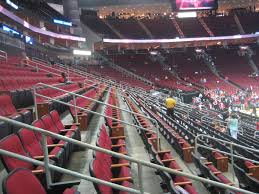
<point x="232" y="161"/>
<point x="141" y="189"/>
<point x="74" y="99"/>
<point x="46" y="161"/>
<point x="157" y="132"/>
<point x="196" y="144"/>
<point x="35" y="102"/>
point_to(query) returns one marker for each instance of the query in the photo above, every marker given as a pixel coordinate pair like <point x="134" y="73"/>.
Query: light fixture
<point x="191" y="14"/>
<point x="82" y="52"/>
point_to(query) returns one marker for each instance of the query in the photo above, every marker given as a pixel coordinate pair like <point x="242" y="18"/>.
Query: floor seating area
<point x="184" y="129"/>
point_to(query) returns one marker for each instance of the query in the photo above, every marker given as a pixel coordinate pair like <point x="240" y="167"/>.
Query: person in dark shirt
<point x="63" y="78"/>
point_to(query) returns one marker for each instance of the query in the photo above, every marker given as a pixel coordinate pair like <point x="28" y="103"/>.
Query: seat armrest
<point x="163" y="152"/>
<point x="168" y="160"/>
<point x="55" y="145"/>
<point x="37" y="171"/>
<point x="117" y="137"/>
<point x="221" y="158"/>
<point x="191" y="147"/>
<point x="120" y="165"/>
<point x="183" y="183"/>
<point x="42" y="157"/>
<point x="115" y="180"/>
<point x="27" y="108"/>
<point x="118" y="145"/>
<point x="66" y="130"/>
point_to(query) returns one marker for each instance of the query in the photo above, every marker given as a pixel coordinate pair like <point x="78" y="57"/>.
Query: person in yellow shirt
<point x="170" y="104"/>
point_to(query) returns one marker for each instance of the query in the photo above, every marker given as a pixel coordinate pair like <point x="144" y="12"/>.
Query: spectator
<point x="233" y="125"/>
<point x="63" y="78"/>
<point x="170" y="104"/>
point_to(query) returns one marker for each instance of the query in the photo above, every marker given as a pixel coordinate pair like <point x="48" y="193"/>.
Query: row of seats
<point x="45" y="105"/>
<point x="171" y="182"/>
<point x="112" y="138"/>
<point x="216" y="159"/>
<point x="174" y="137"/>
<point x="29" y="143"/>
<point x="83" y="116"/>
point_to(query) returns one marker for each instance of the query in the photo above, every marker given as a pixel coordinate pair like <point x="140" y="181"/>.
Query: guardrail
<point x="140" y="163"/>
<point x="231" y="154"/>
<point x="87" y="110"/>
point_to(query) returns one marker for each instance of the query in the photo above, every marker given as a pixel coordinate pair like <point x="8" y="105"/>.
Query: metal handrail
<point x="115" y="154"/>
<point x="41" y="64"/>
<point x="38" y="68"/>
<point x="226" y="153"/>
<point x="90" y="111"/>
<point x="213" y="119"/>
<point x="88" y="98"/>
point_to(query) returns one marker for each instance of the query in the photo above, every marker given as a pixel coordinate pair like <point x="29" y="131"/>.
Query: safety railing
<point x="99" y="78"/>
<point x="212" y="120"/>
<point x="231" y="154"/>
<point x="38" y="66"/>
<point x="35" y="59"/>
<point x="87" y="110"/>
<point x="25" y="62"/>
<point x="3" y="55"/>
<point x="140" y="163"/>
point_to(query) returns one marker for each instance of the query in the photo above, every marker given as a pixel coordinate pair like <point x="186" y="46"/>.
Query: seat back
<point x="97" y="170"/>
<point x="13" y="144"/>
<point x="38" y="123"/>
<point x="22" y="181"/>
<point x="30" y="142"/>
<point x="50" y="125"/>
<point x="56" y="119"/>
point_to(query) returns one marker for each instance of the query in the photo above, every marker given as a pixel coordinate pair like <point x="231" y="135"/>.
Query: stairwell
<point x="147" y="31"/>
<point x="176" y="25"/>
<point x="240" y="27"/>
<point x="205" y="26"/>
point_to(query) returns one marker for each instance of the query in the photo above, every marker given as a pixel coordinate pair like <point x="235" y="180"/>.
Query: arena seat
<point x="32" y="145"/>
<point x="56" y="148"/>
<point x="13" y="144"/>
<point x="21" y="181"/>
<point x="65" y="128"/>
<point x="50" y="126"/>
<point x="107" y="142"/>
<point x="101" y="170"/>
